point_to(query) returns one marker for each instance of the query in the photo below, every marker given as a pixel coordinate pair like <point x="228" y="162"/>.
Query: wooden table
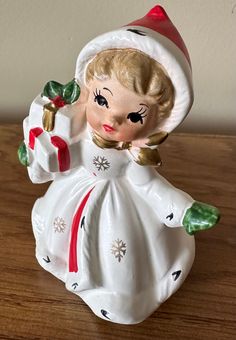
<point x="35" y="305"/>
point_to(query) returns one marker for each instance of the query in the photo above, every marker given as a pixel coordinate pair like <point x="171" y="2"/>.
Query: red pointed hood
<point x="157" y="20"/>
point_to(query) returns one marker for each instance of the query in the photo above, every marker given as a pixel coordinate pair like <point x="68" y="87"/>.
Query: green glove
<point x="23" y="154"/>
<point x="200" y="216"/>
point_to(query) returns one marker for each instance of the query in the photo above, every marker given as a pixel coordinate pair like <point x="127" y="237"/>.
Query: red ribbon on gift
<point x="63" y="153"/>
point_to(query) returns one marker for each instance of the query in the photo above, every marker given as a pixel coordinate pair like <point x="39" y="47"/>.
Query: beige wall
<point x="40" y="40"/>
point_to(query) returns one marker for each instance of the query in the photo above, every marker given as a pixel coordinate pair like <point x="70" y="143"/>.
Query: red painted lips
<point x="108" y="128"/>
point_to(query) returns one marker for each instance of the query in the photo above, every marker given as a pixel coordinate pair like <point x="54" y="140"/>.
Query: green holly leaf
<point x="23" y="154"/>
<point x="200" y="216"/>
<point x="52" y="89"/>
<point x="71" y="92"/>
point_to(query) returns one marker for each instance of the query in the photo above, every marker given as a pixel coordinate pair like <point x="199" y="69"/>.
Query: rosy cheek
<point x="126" y="133"/>
<point x="90" y="117"/>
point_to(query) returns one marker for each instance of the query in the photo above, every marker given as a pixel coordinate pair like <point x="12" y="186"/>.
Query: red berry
<point x="58" y="101"/>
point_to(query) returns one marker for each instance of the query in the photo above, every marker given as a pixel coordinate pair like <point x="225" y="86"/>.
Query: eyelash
<point x="101" y="101"/>
<point x="135" y="117"/>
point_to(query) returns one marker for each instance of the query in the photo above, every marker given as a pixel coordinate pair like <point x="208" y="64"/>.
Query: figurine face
<point x="117" y="113"/>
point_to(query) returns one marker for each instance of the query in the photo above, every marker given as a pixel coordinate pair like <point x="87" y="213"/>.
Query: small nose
<point x="116" y="117"/>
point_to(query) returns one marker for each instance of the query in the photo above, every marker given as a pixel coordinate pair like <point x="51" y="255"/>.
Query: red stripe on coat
<point x="33" y="134"/>
<point x="73" y="262"/>
<point x="63" y="154"/>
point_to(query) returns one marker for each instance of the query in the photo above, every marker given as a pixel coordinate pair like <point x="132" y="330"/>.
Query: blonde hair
<point x="137" y="72"/>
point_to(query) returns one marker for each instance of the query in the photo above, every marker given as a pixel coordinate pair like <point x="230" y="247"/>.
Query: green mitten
<point x="200" y="216"/>
<point x="23" y="155"/>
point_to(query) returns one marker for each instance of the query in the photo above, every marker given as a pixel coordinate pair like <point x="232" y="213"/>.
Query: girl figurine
<point x="109" y="226"/>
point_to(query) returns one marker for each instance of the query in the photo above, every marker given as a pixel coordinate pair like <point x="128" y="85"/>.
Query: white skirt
<point x="106" y="242"/>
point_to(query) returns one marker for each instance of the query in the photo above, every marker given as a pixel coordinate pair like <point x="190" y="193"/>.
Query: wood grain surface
<point x="35" y="305"/>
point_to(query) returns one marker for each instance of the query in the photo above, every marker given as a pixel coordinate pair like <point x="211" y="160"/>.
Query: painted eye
<point x="136" y="117"/>
<point x="100" y="99"/>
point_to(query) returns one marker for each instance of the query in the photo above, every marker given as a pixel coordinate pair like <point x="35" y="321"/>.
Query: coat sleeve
<point x="168" y="202"/>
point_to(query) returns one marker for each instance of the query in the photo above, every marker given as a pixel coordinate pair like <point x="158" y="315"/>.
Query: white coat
<point x="111" y="230"/>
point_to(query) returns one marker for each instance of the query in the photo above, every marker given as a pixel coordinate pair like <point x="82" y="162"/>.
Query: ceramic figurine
<point x="109" y="226"/>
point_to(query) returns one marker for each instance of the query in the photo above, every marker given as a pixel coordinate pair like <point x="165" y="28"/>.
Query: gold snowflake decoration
<point x="59" y="225"/>
<point x="101" y="163"/>
<point x="118" y="249"/>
